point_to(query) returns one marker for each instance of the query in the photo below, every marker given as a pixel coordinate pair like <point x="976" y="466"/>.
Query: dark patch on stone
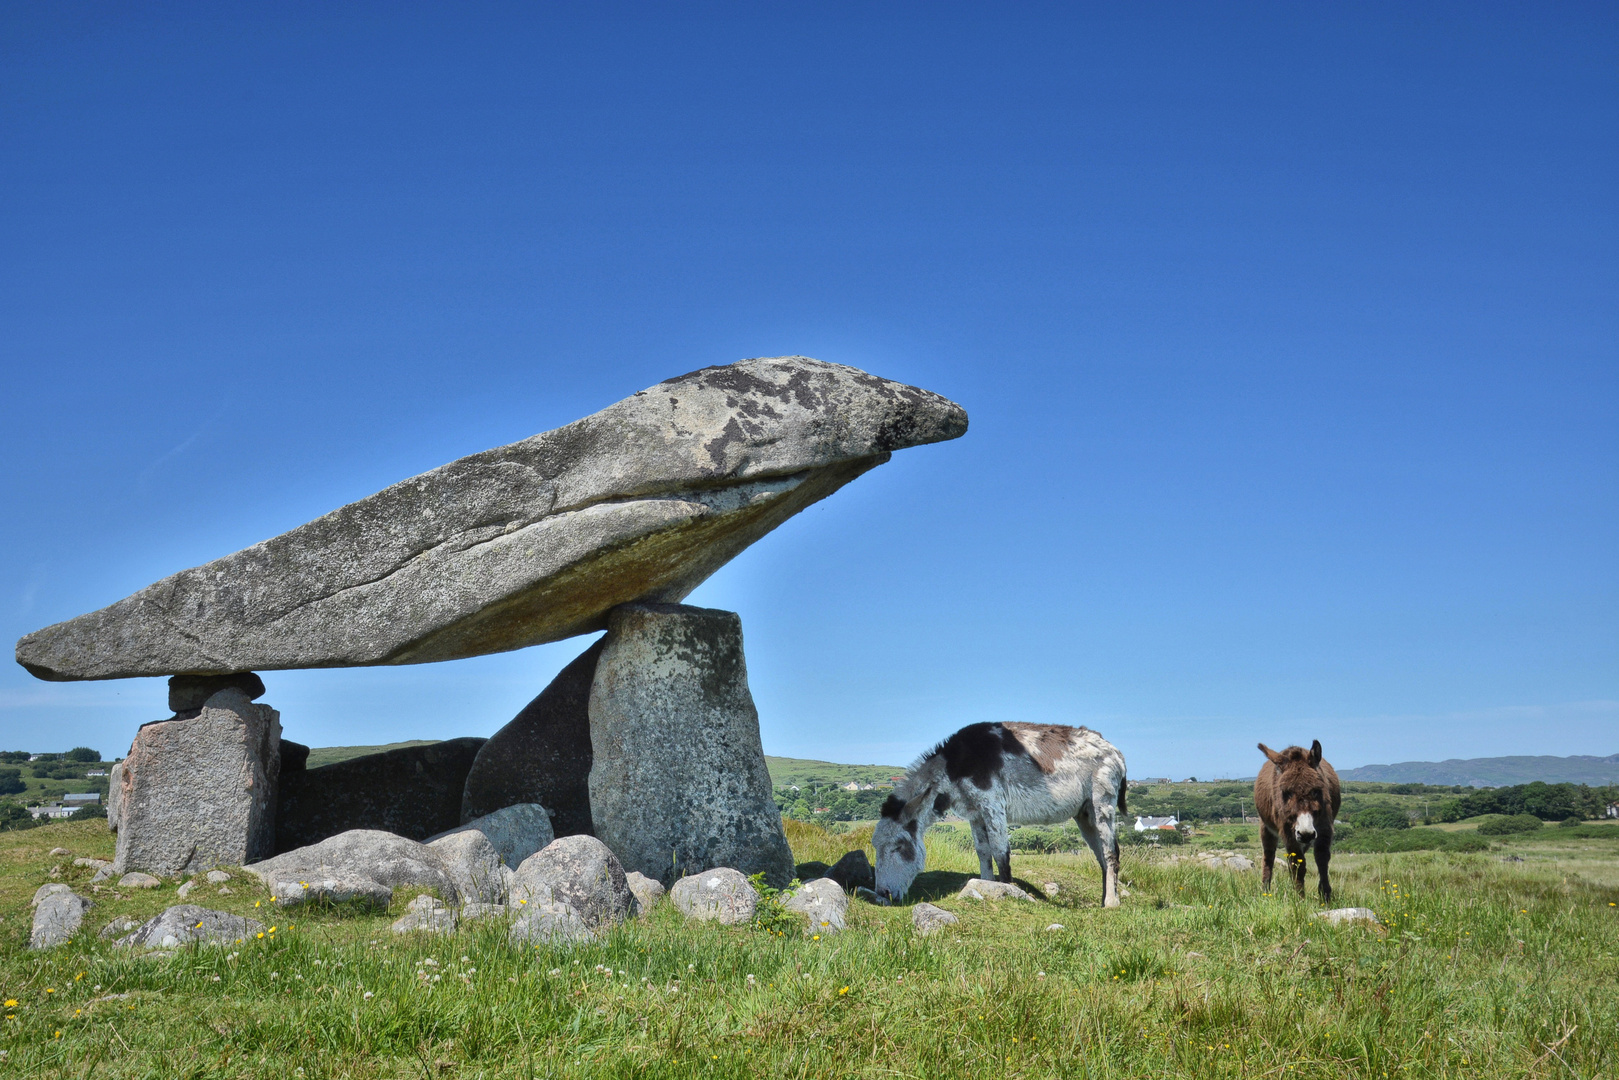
<point x="294" y="757"/>
<point x="543" y="755"/>
<point x="852" y="870"/>
<point x="413" y="792"/>
<point x="189" y="692"/>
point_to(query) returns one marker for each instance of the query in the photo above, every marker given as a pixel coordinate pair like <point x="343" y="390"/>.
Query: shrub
<point x="1380" y="817"/>
<point x="1368" y="841"/>
<point x="82" y="753"/>
<point x="11" y="782"/>
<point x="1509" y="824"/>
<point x="1150" y="837"/>
<point x="1573" y="822"/>
<point x="1242" y="836"/>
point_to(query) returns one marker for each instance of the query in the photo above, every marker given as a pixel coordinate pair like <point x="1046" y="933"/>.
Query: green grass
<point x="1479" y="968"/>
<point x="331" y="755"/>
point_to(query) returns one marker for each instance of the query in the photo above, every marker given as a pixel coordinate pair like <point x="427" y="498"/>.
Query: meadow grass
<point x="1478" y="968"/>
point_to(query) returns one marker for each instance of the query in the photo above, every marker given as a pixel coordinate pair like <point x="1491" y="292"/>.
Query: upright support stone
<point x="199" y="791"/>
<point x="541" y="756"/>
<point x="678" y="782"/>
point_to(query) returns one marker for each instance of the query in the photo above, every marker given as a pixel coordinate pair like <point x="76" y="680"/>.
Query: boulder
<point x="294" y="757"/>
<point x="824" y="903"/>
<point x="217" y="877"/>
<point x="853" y="870"/>
<point x="929" y="919"/>
<point x="549" y="923"/>
<point x="185" y="923"/>
<point x="472" y="864"/>
<point x="49" y="889"/>
<point x="115" y="796"/>
<point x="721" y="895"/>
<point x="980" y="889"/>
<point x="188" y="693"/>
<point x="516" y="832"/>
<point x="647" y="891"/>
<point x="426" y="913"/>
<point x="483" y="911"/>
<point x="526" y="543"/>
<point x="199" y="791"/>
<point x="93" y="864"/>
<point x="137" y="880"/>
<point x="352" y="860"/>
<point x="413" y="791"/>
<point x="328" y="888"/>
<point x="578" y="871"/>
<point x="120" y="926"/>
<point x="542" y="756"/>
<point x="678" y="781"/>
<point x="57" y="918"/>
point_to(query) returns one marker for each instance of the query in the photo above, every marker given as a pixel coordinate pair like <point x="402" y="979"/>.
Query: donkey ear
<point x="1276" y="759"/>
<point x="1315" y="753"/>
<point x="914" y="807"/>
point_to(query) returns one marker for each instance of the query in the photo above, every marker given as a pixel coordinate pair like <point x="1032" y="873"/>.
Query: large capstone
<point x="678" y="783"/>
<point x="542" y="756"/>
<point x="198" y="792"/>
<point x="414" y="791"/>
<point x="523" y="544"/>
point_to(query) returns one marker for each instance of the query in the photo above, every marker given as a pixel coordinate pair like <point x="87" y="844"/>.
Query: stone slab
<point x="414" y="792"/>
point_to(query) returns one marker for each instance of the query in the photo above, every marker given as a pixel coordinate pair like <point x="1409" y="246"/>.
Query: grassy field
<point x="1478" y="968"/>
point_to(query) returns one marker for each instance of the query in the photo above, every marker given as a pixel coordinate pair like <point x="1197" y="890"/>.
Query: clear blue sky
<point x="1288" y="334"/>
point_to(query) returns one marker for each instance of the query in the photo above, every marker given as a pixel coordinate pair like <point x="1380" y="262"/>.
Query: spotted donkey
<point x="1000" y="774"/>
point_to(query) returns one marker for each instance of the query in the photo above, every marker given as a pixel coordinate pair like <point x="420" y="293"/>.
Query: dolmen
<point x="649" y="740"/>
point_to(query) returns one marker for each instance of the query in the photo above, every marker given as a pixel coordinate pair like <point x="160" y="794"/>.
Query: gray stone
<point x="723" y="895"/>
<point x="678" y="782"/>
<point x="94" y="864"/>
<point x="549" y="923"/>
<point x="328" y="888"/>
<point x="1340" y="916"/>
<point x="188" y="888"/>
<point x="853" y="870"/>
<point x="352" y="859"/>
<point x="426" y="913"/>
<point x="648" y="891"/>
<point x="115" y="796"/>
<point x="57" y="852"/>
<point x="103" y="874"/>
<point x="980" y="889"/>
<point x="580" y="872"/>
<point x="137" y="880"/>
<point x="185" y="923"/>
<point x="526" y="543"/>
<point x="188" y="693"/>
<point x="216" y="877"/>
<point x="542" y="756"/>
<point x="929" y="919"/>
<point x="120" y="926"/>
<point x="54" y="888"/>
<point x="1239" y="862"/>
<point x="823" y="903"/>
<point x="201" y="791"/>
<point x="414" y="792"/>
<point x="1051" y="889"/>
<point x="483" y="911"/>
<point x="516" y="832"/>
<point x="472" y="864"/>
<point x="57" y="919"/>
<point x="294" y="757"/>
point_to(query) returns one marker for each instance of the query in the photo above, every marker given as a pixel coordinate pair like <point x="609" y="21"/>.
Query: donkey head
<point x="897" y="839"/>
<point x="1301" y="791"/>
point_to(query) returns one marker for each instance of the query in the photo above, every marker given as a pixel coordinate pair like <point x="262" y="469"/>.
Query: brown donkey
<point x="1297" y="798"/>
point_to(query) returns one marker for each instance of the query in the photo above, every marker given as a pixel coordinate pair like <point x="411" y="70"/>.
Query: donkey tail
<point x="1124" y="784"/>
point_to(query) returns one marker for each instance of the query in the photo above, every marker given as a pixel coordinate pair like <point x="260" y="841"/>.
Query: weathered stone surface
<point x="929" y="919"/>
<point x="57" y="919"/>
<point x="188" y="693"/>
<point x="824" y="903"/>
<point x="414" y="792"/>
<point x="483" y="911"/>
<point x="425" y="913"/>
<point x="328" y="888"/>
<point x="980" y="889"/>
<point x="188" y="888"/>
<point x="200" y="791"/>
<point x="472" y="864"/>
<point x="647" y="891"/>
<point x="49" y="889"/>
<point x="137" y="880"/>
<point x="120" y="926"/>
<point x="294" y="757"/>
<point x="722" y="895"/>
<point x="853" y="870"/>
<point x="357" y="856"/>
<point x="522" y="544"/>
<point x="549" y="923"/>
<point x="217" y="877"/>
<point x="580" y="872"/>
<point x="516" y="832"/>
<point x="543" y="755"/>
<point x="115" y="796"/>
<point x="93" y="864"/>
<point x="185" y="923"/>
<point x="678" y="781"/>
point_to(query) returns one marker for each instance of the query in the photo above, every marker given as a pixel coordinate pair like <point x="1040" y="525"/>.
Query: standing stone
<point x="198" y="792"/>
<point x="115" y="796"/>
<point x="542" y="756"/>
<point x="414" y="792"/>
<point x="678" y="784"/>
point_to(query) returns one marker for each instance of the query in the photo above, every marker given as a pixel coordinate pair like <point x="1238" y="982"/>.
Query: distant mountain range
<point x="1494" y="771"/>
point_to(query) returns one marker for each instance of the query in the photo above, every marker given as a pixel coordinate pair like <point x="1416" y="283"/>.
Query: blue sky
<point x="1287" y="332"/>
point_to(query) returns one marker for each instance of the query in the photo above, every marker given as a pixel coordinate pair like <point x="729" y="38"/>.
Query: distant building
<point x="1613" y="809"/>
<point x="52" y="810"/>
<point x="1156" y="780"/>
<point x="1143" y="824"/>
<point x="81" y="798"/>
<point x="96" y="772"/>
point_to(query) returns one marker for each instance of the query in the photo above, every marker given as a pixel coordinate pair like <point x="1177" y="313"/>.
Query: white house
<point x="1145" y="823"/>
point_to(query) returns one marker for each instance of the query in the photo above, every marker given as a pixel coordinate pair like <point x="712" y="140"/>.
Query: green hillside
<point x="1494" y="772"/>
<point x="786" y="771"/>
<point x="331" y="755"/>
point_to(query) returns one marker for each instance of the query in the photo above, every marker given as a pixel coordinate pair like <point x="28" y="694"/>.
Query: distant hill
<point x="1494" y="771"/>
<point x="785" y="771"/>
<point x="331" y="755"/>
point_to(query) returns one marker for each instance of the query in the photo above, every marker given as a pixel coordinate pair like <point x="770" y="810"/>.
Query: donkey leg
<point x="1323" y="856"/>
<point x="1104" y="849"/>
<point x="1268" y="841"/>
<point x="981" y="843"/>
<point x="1295" y="867"/>
<point x="1000" y="841"/>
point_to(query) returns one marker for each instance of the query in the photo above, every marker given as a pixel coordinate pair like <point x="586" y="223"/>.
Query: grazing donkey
<point x="1000" y="774"/>
<point x="1297" y="798"/>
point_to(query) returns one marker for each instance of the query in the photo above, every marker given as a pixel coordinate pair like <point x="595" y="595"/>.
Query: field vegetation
<point x="1476" y="967"/>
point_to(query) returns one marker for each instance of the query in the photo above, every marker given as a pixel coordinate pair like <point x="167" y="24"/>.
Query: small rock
<point x="188" y="888"/>
<point x="824" y="903"/>
<point x="120" y="926"/>
<point x="224" y="890"/>
<point x="929" y="919"/>
<point x="331" y="889"/>
<point x="1194" y="956"/>
<point x="1055" y="926"/>
<point x="1051" y="889"/>
<point x="578" y="871"/>
<point x="483" y="911"/>
<point x="809" y="871"/>
<point x="184" y="923"/>
<point x="57" y="919"/>
<point x="1239" y="862"/>
<point x="55" y="851"/>
<point x="722" y="895"/>
<point x="215" y="877"/>
<point x="102" y="874"/>
<point x="1339" y="916"/>
<point x="979" y="889"/>
<point x="546" y="922"/>
<point x="95" y="864"/>
<point x="50" y="889"/>
<point x="426" y="913"/>
<point x="648" y="891"/>
<point x="137" y="880"/>
<point x="852" y="871"/>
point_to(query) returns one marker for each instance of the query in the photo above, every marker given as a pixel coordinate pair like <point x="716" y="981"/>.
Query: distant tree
<point x="11" y="757"/>
<point x="11" y="782"/>
<point x="1380" y="817"/>
<point x="14" y="817"/>
<point x="82" y="753"/>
